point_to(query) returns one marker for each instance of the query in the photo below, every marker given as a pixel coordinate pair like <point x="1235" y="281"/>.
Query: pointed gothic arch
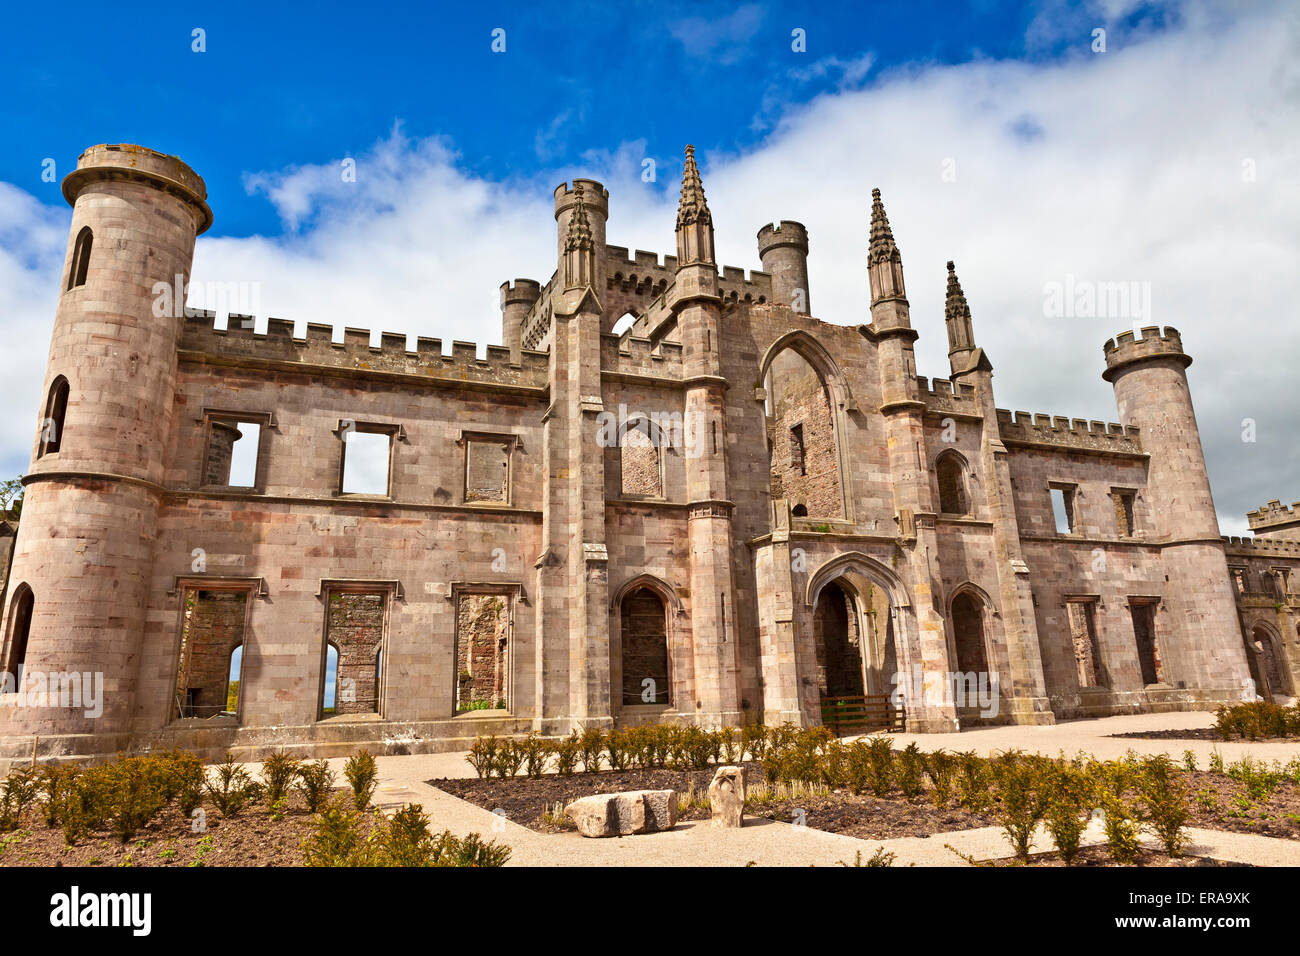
<point x="644" y="612"/>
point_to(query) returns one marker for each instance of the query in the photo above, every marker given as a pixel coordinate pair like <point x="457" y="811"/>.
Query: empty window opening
<point x="1124" y="513"/>
<point x="798" y="465"/>
<point x="211" y="652"/>
<point x="641" y="471"/>
<point x="1278" y="583"/>
<point x="803" y="447"/>
<point x="1063" y="508"/>
<point x="623" y="324"/>
<point x="799" y="511"/>
<point x="1239" y="579"/>
<point x="56" y="409"/>
<point x="365" y="462"/>
<point x="233" y="448"/>
<point x="1144" y="631"/>
<point x="329" y="699"/>
<point x="355" y="627"/>
<point x="968" y="634"/>
<point x="838" y="640"/>
<point x="487" y="471"/>
<point x="80" y="258"/>
<point x="21" y="617"/>
<point x="643" y="623"/>
<point x="1083" y="633"/>
<point x="482" y="652"/>
<point x="952" y="491"/>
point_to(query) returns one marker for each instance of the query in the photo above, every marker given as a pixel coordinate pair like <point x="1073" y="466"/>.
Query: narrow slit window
<point x="1124" y="523"/>
<point x="1063" y="508"/>
<point x="80" y="258"/>
<point x="56" y="409"/>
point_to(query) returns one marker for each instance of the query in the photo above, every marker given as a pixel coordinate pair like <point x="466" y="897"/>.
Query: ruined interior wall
<point x="482" y="654"/>
<point x="355" y="625"/>
<point x="213" y="627"/>
<point x="809" y="473"/>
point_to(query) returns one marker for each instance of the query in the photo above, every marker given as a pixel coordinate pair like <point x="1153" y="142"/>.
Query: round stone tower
<point x="1202" y="645"/>
<point x="783" y="251"/>
<point x="85" y="543"/>
<point x="517" y="299"/>
<point x="595" y="203"/>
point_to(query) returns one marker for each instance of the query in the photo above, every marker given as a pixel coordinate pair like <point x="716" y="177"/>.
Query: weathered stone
<point x="594" y="816"/>
<point x="727" y="797"/>
<point x="623" y="814"/>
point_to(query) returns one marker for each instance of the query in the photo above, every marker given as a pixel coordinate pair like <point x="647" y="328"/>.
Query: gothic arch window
<point x="80" y="258"/>
<point x="624" y="323"/>
<point x="56" y="409"/>
<point x="950" y="470"/>
<point x="799" y="511"/>
<point x="20" y="617"/>
<point x="802" y="438"/>
<point x="641" y="460"/>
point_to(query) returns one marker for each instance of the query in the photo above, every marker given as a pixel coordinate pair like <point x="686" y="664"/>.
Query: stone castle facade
<point x="726" y="512"/>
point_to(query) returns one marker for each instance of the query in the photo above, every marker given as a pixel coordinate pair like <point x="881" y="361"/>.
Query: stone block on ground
<point x="727" y="797"/>
<point x="624" y="814"/>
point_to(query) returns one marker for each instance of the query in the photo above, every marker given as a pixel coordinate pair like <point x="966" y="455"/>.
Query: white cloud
<point x="723" y="41"/>
<point x="1126" y="166"/>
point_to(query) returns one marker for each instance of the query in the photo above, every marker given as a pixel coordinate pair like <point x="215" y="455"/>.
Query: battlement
<point x="318" y="349"/>
<point x="1068" y="433"/>
<point x="526" y="291"/>
<point x="634" y="355"/>
<point x="125" y="161"/>
<point x="1273" y="515"/>
<point x="1125" y="349"/>
<point x="1260" y="547"/>
<point x="594" y="196"/>
<point x="785" y="233"/>
<point x="944" y="395"/>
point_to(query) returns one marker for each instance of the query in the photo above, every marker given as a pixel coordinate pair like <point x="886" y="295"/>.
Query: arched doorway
<point x="968" y="634"/>
<point x="1268" y="671"/>
<point x="838" y="635"/>
<point x="643" y="639"/>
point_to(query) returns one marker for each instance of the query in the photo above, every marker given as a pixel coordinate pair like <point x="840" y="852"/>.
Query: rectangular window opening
<point x="211" y="652"/>
<point x="1124" y="522"/>
<point x="1063" y="508"/>
<point x="1144" y="631"/>
<point x="1083" y="634"/>
<point x="366" y="457"/>
<point x="482" y="652"/>
<point x="234" y="448"/>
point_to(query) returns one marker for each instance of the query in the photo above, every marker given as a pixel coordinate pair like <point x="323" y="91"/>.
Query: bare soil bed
<point x="1098" y="856"/>
<point x="1217" y="802"/>
<point x="1199" y="733"/>
<point x="526" y="801"/>
<point x="250" y="839"/>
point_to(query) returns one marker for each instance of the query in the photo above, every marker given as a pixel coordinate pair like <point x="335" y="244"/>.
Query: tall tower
<point x="695" y="299"/>
<point x="85" y="544"/>
<point x="914" y="506"/>
<point x="1022" y="688"/>
<point x="1203" y="649"/>
<point x="517" y="299"/>
<point x="573" y="587"/>
<point x="783" y="250"/>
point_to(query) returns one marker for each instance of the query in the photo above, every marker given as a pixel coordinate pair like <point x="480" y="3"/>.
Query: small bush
<point x="618" y="750"/>
<point x="591" y="744"/>
<point x="1019" y="805"/>
<point x="362" y="775"/>
<point x="974" y="782"/>
<point x="941" y="768"/>
<point x="17" y="794"/>
<point x="406" y="840"/>
<point x="278" y="773"/>
<point x="510" y="757"/>
<point x="316" y="780"/>
<point x="910" y="771"/>
<point x="337" y="838"/>
<point x="232" y="788"/>
<point x="1067" y="798"/>
<point x="482" y="755"/>
<point x="880" y="765"/>
<point x="1165" y="799"/>
<point x="753" y="741"/>
<point x="566" y="755"/>
<point x="537" y="750"/>
<point x="57" y="784"/>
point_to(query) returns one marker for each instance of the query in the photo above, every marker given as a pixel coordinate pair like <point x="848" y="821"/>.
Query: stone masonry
<point x="796" y="513"/>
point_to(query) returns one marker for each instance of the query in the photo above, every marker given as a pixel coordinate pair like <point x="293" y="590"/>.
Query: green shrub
<point x="362" y="774"/>
<point x="468" y="851"/>
<point x="536" y="751"/>
<point x="591" y="744"/>
<point x="880" y="765"/>
<point x="941" y="768"/>
<point x="510" y="758"/>
<point x="405" y="840"/>
<point x="337" y="838"/>
<point x="910" y="771"/>
<point x="232" y="788"/>
<point x="1067" y="798"/>
<point x="482" y="755"/>
<point x="728" y="745"/>
<point x="618" y="750"/>
<point x="316" y="780"/>
<point x="566" y="755"/>
<point x="17" y="794"/>
<point x="279" y="770"/>
<point x="1019" y="807"/>
<point x="57" y="784"/>
<point x="753" y="741"/>
<point x="1255" y="719"/>
<point x="1165" y="799"/>
<point x="974" y="782"/>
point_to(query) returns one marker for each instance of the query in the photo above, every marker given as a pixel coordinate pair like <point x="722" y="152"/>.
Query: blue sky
<point x="999" y="135"/>
<point x="276" y="88"/>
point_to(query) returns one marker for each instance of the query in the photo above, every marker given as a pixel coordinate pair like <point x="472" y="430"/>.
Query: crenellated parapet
<point x="945" y="395"/>
<point x="1274" y="516"/>
<point x="1261" y="547"/>
<point x="1069" y="434"/>
<point x="1126" y="349"/>
<point x="278" y="347"/>
<point x="634" y="355"/>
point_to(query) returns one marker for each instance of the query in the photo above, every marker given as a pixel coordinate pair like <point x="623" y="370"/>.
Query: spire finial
<point x="579" y="235"/>
<point x="692" y="208"/>
<point x="883" y="248"/>
<point x="955" y="307"/>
